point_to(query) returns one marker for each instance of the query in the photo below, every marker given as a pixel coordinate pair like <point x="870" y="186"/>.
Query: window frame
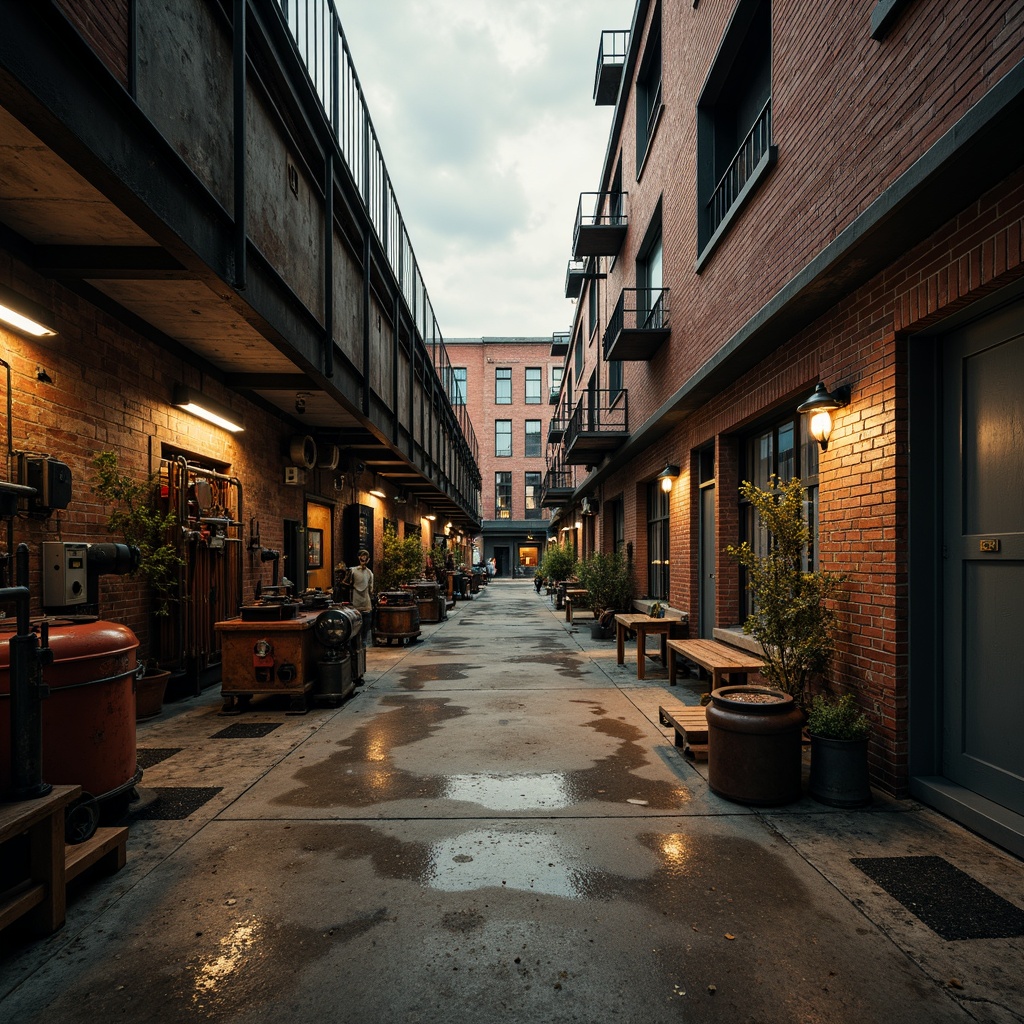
<point x="648" y="93"/>
<point x="659" y="537"/>
<point x="534" y="510"/>
<point x="503" y="488"/>
<point x="500" y="378"/>
<point x="459" y="385"/>
<point x="528" y="435"/>
<point x="533" y="396"/>
<point x="502" y="427"/>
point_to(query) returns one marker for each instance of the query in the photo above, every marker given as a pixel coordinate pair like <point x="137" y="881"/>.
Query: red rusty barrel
<point x="89" y="715"/>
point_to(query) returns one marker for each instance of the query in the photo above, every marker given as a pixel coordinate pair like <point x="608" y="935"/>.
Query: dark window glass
<point x="657" y="542"/>
<point x="533" y="495"/>
<point x="533" y="446"/>
<point x="503" y="438"/>
<point x="502" y="495"/>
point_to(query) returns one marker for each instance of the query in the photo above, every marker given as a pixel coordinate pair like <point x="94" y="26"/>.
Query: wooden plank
<point x="20" y="900"/>
<point x="107" y="844"/>
<point x="717" y="658"/>
<point x="690" y="725"/>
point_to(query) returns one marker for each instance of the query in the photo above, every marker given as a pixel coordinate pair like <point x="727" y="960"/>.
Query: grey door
<point x="707" y="560"/>
<point x="983" y="559"/>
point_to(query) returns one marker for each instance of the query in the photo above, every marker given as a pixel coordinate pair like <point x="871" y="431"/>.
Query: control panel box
<point x="64" y="574"/>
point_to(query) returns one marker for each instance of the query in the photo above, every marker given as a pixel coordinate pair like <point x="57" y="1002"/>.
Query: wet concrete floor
<point x="496" y="827"/>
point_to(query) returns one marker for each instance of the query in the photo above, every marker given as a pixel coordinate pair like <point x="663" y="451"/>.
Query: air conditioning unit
<point x="590" y="506"/>
<point x="294" y="476"/>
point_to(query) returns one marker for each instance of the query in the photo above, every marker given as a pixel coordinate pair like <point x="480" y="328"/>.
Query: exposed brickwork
<point x="104" y="24"/>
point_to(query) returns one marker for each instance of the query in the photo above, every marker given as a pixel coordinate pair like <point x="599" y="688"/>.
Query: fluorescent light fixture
<point x="24" y="315"/>
<point x="376" y="490"/>
<point x="431" y="517"/>
<point x="195" y="402"/>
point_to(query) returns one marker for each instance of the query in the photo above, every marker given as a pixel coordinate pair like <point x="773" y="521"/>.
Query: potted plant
<point x="605" y="577"/>
<point x="839" y="733"/>
<point x="558" y="565"/>
<point x="755" y="732"/>
<point x="401" y="562"/>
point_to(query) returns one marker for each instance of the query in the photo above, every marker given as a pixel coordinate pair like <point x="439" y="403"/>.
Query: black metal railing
<point x="751" y="152"/>
<point x="598" y="411"/>
<point x="606" y="209"/>
<point x="316" y="30"/>
<point x="611" y="59"/>
<point x="638" y="309"/>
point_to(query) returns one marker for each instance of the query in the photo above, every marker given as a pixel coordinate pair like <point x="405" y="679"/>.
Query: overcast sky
<point x="485" y="114"/>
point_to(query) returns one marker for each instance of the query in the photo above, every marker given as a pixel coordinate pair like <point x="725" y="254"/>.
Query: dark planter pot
<point x="397" y="618"/>
<point x="150" y="690"/>
<point x="599" y="632"/>
<point x="754" y="749"/>
<point x="839" y="772"/>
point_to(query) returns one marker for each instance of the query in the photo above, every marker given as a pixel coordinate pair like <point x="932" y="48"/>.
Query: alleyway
<point x="496" y="828"/>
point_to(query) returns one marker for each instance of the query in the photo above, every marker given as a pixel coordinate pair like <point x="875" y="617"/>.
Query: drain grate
<point x="954" y="905"/>
<point x="146" y="757"/>
<point x="174" y="803"/>
<point x="246" y="731"/>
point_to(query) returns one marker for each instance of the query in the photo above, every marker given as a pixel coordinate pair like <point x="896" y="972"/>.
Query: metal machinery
<point x="336" y="630"/>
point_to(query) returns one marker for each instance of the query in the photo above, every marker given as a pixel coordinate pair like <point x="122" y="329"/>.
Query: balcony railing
<point x="754" y="148"/>
<point x="601" y="223"/>
<point x="575" y="275"/>
<point x="553" y="394"/>
<point x="611" y="59"/>
<point x="598" y="425"/>
<point x="556" y="430"/>
<point x="558" y="485"/>
<point x="559" y="344"/>
<point x="638" y="325"/>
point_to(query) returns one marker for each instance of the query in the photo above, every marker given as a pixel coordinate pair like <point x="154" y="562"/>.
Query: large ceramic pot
<point x="150" y="690"/>
<point x="754" y="745"/>
<point x="839" y="772"/>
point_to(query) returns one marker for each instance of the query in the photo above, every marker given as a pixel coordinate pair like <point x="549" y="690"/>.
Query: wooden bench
<point x="691" y="729"/>
<point x="717" y="658"/>
<point x="574" y="597"/>
<point x="106" y="847"/>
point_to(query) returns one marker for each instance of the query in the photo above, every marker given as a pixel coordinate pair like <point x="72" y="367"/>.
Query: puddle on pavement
<point x="418" y="676"/>
<point x="362" y="773"/>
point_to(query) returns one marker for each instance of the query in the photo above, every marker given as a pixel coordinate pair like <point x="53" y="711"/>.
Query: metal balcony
<point x="560" y="344"/>
<point x="611" y="59"/>
<point x="575" y="275"/>
<point x="638" y="326"/>
<point x="558" y="486"/>
<point x="601" y="224"/>
<point x="598" y="426"/>
<point x="556" y="430"/>
<point x="553" y="394"/>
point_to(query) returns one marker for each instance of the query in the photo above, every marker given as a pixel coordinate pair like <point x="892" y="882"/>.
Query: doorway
<point x="502" y="561"/>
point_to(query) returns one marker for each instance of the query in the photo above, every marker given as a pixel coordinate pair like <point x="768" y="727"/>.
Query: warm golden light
<point x="666" y="483"/>
<point x="820" y="426"/>
<point x="24" y="324"/>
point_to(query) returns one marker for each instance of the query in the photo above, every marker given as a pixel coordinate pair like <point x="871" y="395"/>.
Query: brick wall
<point x="104" y="24"/>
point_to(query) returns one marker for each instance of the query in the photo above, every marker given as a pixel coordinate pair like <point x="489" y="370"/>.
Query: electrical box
<point x="294" y="476"/>
<point x="51" y="479"/>
<point x="64" y="574"/>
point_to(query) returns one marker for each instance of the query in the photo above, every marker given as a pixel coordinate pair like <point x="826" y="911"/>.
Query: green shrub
<point x="837" y="718"/>
<point x="606" y="578"/>
<point x="401" y="561"/>
<point x="559" y="562"/>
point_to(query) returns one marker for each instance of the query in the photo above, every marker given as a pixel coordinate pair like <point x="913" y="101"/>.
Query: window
<point x="657" y="541"/>
<point x="532" y="449"/>
<point x="734" y="123"/>
<point x="533" y="377"/>
<point x="592" y="309"/>
<point x="503" y="439"/>
<point x="648" y="91"/>
<point x="578" y="356"/>
<point x="556" y="380"/>
<point x="503" y="385"/>
<point x="618" y="518"/>
<point x="533" y="495"/>
<point x="784" y="449"/>
<point x="458" y="385"/>
<point x="502" y="495"/>
<point x="650" y="302"/>
<point x="614" y="379"/>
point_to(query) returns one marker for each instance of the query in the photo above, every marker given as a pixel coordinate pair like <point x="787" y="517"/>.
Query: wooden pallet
<point x="691" y="729"/>
<point x="106" y="847"/>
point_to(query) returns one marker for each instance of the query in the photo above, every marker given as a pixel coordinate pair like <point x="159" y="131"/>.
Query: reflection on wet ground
<point x="416" y="677"/>
<point x="363" y="773"/>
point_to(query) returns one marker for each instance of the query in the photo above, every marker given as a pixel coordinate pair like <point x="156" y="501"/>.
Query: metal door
<point x="707" y="560"/>
<point x="983" y="559"/>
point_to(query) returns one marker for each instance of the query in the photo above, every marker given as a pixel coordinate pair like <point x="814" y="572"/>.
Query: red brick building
<point x="507" y="384"/>
<point x="774" y="214"/>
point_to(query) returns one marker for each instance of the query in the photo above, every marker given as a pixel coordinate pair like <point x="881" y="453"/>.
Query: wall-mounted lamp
<point x="377" y="490"/>
<point x="189" y="400"/>
<point x="820" y="407"/>
<point x="24" y="315"/>
<point x="430" y="517"/>
<point x="578" y="524"/>
<point x="666" y="476"/>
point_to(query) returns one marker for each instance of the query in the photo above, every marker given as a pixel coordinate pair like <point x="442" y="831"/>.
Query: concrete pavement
<point x="496" y="827"/>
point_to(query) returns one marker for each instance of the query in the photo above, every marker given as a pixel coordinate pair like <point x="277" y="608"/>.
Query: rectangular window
<point x="592" y="307"/>
<point x="648" y="91"/>
<point x="533" y="495"/>
<point x="734" y="124"/>
<point x="533" y="446"/>
<point x="578" y="357"/>
<point x="618" y="518"/>
<point x="614" y="378"/>
<point x="503" y="385"/>
<point x="533" y="380"/>
<point x="556" y="382"/>
<point x="784" y="450"/>
<point x="502" y="495"/>
<point x="657" y="542"/>
<point x="458" y="385"/>
<point x="503" y="439"/>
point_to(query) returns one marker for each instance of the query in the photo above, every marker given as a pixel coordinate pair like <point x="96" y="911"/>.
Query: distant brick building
<point x="775" y="213"/>
<point x="507" y="384"/>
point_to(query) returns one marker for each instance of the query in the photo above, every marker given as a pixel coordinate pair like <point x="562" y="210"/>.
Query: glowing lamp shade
<point x="377" y="490"/>
<point x="819" y="408"/>
<point x="666" y="476"/>
<point x="24" y="316"/>
<point x="197" y="404"/>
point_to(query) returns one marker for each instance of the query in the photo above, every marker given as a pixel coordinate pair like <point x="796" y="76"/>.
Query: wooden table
<point x="43" y="893"/>
<point x="717" y="658"/>
<point x="289" y="669"/>
<point x="574" y="595"/>
<point x="642" y="625"/>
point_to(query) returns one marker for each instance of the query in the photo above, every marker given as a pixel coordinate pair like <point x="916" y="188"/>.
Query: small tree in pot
<point x="401" y="561"/>
<point x="558" y="565"/>
<point x="839" y="733"/>
<point x="605" y="576"/>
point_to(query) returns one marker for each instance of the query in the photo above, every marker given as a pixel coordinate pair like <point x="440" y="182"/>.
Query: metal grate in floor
<point x="954" y="905"/>
<point x="146" y="757"/>
<point x="175" y="803"/>
<point x="246" y="731"/>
